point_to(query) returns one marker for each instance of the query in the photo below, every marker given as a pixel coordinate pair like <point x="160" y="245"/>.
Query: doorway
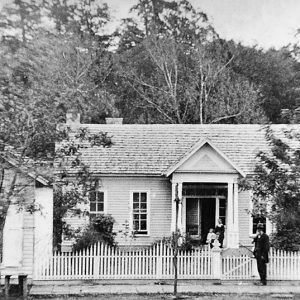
<point x="200" y="217"/>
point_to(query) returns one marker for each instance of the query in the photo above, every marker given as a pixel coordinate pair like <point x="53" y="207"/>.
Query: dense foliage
<point x="100" y="229"/>
<point x="276" y="188"/>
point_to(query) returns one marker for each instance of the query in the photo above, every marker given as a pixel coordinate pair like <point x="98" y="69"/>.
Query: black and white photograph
<point x="149" y="149"/>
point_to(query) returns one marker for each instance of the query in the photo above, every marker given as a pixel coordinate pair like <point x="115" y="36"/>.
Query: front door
<point x="200" y="217"/>
<point x="208" y="214"/>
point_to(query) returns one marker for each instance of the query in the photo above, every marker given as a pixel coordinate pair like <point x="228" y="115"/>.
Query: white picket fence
<point x="104" y="262"/>
<point x="283" y="265"/>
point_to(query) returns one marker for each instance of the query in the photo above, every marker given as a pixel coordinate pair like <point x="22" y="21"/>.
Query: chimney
<point x="72" y="117"/>
<point x="114" y="121"/>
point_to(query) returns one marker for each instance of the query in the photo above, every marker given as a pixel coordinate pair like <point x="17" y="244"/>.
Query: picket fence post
<point x="159" y="258"/>
<point x="216" y="261"/>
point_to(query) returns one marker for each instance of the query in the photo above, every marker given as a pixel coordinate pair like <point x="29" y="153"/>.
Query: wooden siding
<point x="118" y="205"/>
<point x="26" y="185"/>
<point x="118" y="195"/>
<point x="244" y="218"/>
<point x="119" y="191"/>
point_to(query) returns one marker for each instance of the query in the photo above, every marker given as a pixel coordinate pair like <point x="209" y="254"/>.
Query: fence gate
<point x="238" y="267"/>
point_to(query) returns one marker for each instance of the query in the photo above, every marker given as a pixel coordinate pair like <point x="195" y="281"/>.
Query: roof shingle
<point x="152" y="149"/>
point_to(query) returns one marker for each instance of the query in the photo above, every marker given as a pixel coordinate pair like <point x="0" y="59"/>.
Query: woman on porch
<point x="220" y="228"/>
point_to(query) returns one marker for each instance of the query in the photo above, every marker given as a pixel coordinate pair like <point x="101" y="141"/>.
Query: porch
<point x="203" y="200"/>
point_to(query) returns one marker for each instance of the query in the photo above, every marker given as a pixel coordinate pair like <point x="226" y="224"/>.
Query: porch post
<point x="173" y="207"/>
<point x="229" y="225"/>
<point x="232" y="216"/>
<point x="179" y="220"/>
<point x="180" y="207"/>
<point x="236" y="214"/>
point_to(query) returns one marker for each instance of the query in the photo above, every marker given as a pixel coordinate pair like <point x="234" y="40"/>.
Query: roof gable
<point x="205" y="157"/>
<point x="39" y="178"/>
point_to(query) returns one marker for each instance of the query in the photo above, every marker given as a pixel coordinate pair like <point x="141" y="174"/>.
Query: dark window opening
<point x="204" y="189"/>
<point x="256" y="220"/>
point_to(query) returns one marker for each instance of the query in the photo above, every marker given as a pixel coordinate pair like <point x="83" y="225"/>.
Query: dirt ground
<point x="168" y="297"/>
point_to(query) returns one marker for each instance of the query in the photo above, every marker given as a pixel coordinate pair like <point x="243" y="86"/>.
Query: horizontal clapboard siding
<point x="119" y="191"/>
<point x="118" y="195"/>
<point x="28" y="232"/>
<point x="244" y="217"/>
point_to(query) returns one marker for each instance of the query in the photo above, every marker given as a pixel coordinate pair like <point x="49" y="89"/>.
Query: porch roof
<point x="154" y="149"/>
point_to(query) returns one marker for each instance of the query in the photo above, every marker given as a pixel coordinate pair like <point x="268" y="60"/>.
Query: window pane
<point x="92" y="196"/>
<point x="144" y="217"/>
<point x="222" y="211"/>
<point x="135" y="225"/>
<point x="92" y="206"/>
<point x="100" y="196"/>
<point x="135" y="205"/>
<point x="143" y="225"/>
<point x="143" y="197"/>
<point x="136" y="217"/>
<point x="143" y="205"/>
<point x="100" y="207"/>
<point x="136" y="197"/>
<point x="222" y="202"/>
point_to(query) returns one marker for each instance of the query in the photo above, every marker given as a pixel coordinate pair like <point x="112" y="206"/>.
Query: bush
<point x="184" y="242"/>
<point x="100" y="229"/>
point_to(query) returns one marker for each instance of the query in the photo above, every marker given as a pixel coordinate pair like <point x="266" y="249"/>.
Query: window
<point x="140" y="212"/>
<point x="96" y="202"/>
<point x="256" y="220"/>
<point x="222" y="210"/>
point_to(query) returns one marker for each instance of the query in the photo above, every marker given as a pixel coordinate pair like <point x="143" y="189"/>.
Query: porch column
<point x="180" y="223"/>
<point x="173" y="205"/>
<point x="179" y="220"/>
<point x="236" y="213"/>
<point x="232" y="216"/>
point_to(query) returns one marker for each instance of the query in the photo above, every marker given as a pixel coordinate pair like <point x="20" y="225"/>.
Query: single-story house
<point x="149" y="165"/>
<point x="28" y="225"/>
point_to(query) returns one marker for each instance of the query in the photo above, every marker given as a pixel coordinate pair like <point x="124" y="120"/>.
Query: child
<point x="211" y="236"/>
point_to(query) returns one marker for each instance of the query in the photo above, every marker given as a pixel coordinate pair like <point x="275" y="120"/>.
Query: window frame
<point x="137" y="234"/>
<point x="96" y="213"/>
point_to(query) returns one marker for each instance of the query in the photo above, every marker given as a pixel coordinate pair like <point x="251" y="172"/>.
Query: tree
<point x="177" y="19"/>
<point x="20" y="19"/>
<point x="276" y="189"/>
<point x="274" y="72"/>
<point x="73" y="181"/>
<point x="76" y="77"/>
<point x="34" y="96"/>
<point x="84" y="18"/>
<point x="178" y="83"/>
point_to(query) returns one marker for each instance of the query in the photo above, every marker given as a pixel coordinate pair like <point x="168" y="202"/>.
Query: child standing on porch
<point x="211" y="236"/>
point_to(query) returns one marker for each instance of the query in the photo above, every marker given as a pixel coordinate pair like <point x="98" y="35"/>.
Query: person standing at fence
<point x="220" y="228"/>
<point x="261" y="252"/>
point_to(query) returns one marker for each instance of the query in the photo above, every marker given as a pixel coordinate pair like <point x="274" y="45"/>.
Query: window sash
<point x="96" y="202"/>
<point x="140" y="212"/>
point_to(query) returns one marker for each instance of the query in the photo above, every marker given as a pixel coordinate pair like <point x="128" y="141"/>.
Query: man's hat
<point x="260" y="226"/>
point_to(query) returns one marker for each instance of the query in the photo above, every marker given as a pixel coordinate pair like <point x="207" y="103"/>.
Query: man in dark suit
<point x="261" y="252"/>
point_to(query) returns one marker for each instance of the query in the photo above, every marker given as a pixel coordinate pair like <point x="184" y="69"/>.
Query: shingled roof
<point x="153" y="149"/>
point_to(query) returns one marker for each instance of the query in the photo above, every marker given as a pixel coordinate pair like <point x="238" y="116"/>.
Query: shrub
<point x="100" y="229"/>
